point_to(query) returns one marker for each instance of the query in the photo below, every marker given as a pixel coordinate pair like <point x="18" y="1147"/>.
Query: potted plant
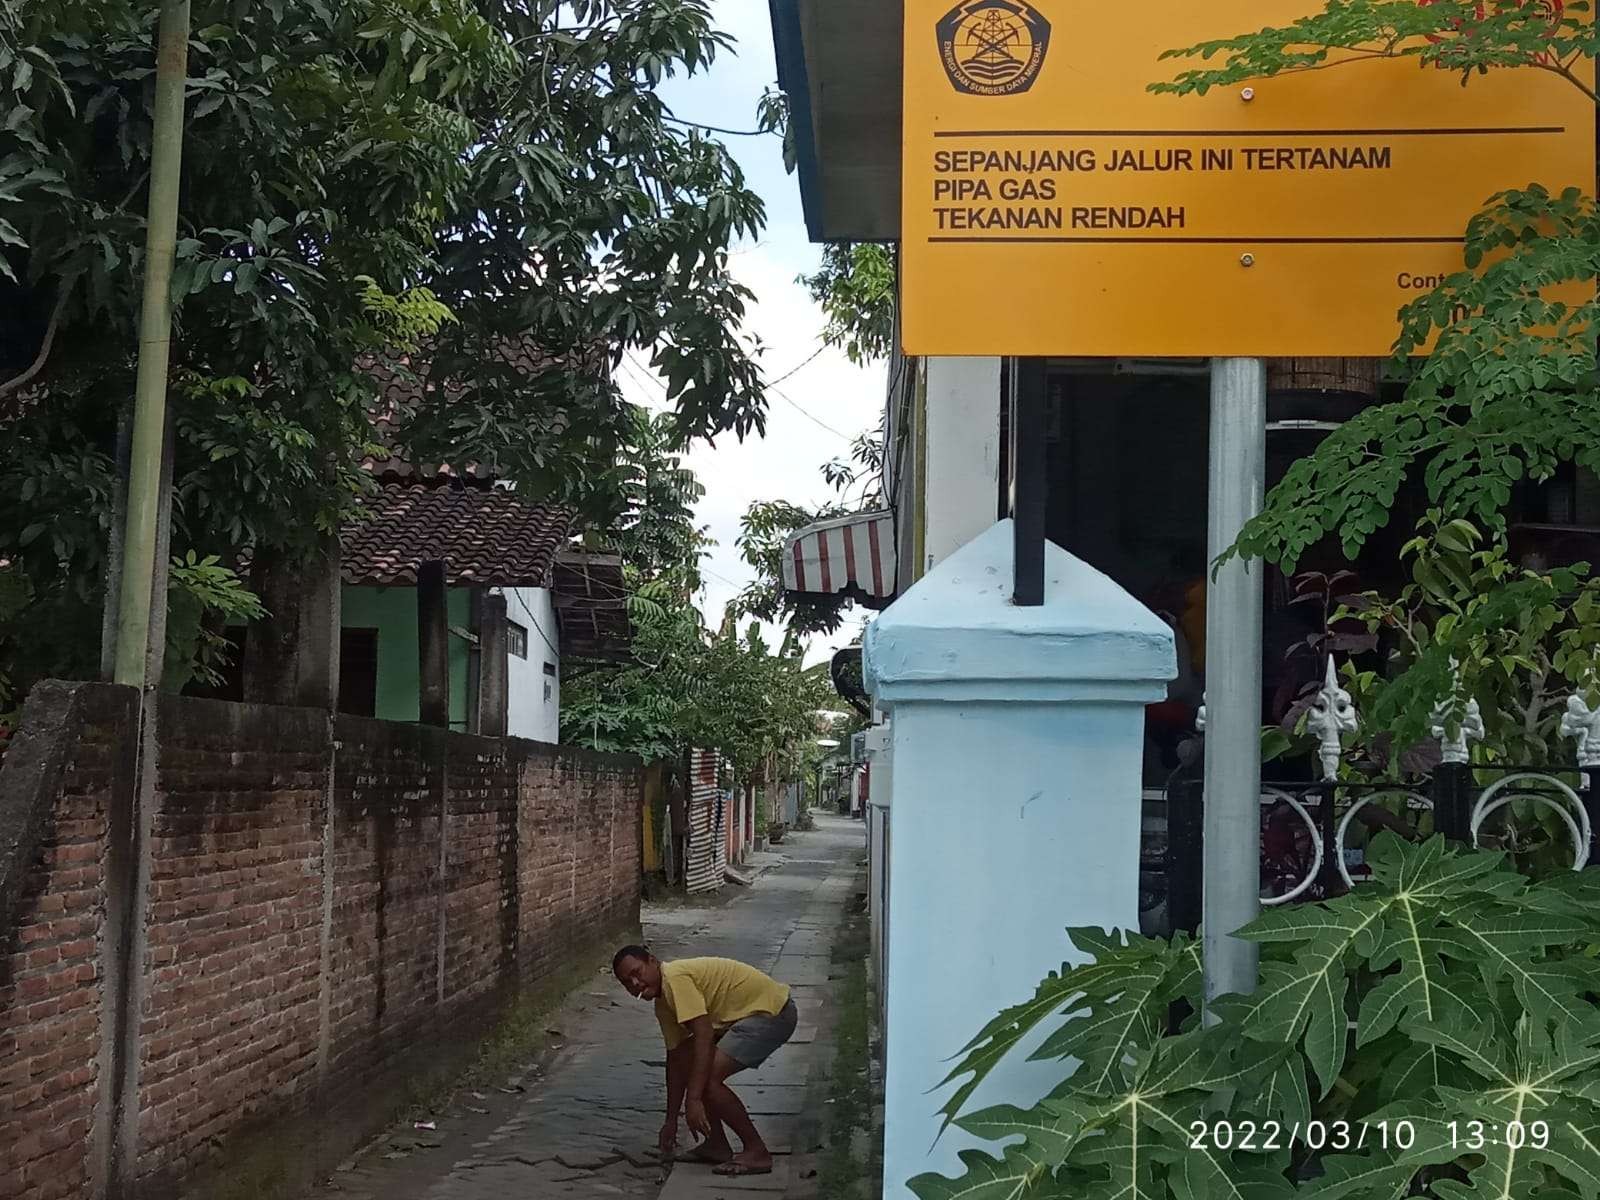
<point x="775" y="832"/>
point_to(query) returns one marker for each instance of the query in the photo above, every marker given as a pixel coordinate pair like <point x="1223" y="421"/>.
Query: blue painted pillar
<point x="880" y="758"/>
<point x="1017" y="743"/>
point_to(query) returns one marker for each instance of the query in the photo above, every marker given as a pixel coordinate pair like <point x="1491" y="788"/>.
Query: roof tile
<point x="486" y="536"/>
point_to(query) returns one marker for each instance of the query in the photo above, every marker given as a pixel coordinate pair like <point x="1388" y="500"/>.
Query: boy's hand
<point x="668" y="1141"/>
<point x="699" y="1122"/>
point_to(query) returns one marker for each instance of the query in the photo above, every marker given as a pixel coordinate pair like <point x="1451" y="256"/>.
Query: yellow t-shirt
<point x="724" y="989"/>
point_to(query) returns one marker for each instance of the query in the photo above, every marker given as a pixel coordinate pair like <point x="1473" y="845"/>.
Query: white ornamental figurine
<point x="1582" y="724"/>
<point x="1332" y="713"/>
<point x="1454" y="749"/>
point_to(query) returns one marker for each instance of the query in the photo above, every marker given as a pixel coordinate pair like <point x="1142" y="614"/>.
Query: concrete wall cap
<point x="956" y="634"/>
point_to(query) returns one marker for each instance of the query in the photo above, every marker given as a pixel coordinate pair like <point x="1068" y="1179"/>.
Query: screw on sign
<point x="1550" y="12"/>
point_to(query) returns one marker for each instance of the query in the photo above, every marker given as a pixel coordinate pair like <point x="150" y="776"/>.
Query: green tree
<point x="1474" y="626"/>
<point x="857" y="286"/>
<point x="685" y="684"/>
<point x="1510" y="388"/>
<point x="690" y="686"/>
<point x="762" y="532"/>
<point x="634" y="706"/>
<point x="857" y="283"/>
<point x="767" y="523"/>
<point x="488" y="193"/>
<point x="657" y="532"/>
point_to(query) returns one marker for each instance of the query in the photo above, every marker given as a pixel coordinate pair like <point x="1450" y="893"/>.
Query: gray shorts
<point x="750" y="1042"/>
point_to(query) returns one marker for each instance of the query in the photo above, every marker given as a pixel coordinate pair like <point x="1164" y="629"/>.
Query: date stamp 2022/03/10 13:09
<point x="1269" y="1135"/>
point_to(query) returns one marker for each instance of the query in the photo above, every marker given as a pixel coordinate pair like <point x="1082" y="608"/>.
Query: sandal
<point x="734" y="1170"/>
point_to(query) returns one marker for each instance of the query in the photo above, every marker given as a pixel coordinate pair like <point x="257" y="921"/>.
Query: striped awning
<point x="851" y="556"/>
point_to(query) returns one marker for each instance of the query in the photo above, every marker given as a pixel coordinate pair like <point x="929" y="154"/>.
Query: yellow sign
<point x="1053" y="206"/>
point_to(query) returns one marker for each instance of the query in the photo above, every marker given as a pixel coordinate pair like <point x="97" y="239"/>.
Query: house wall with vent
<point x="533" y="677"/>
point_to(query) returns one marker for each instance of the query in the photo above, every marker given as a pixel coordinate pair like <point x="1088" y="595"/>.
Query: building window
<point x="516" y="640"/>
<point x="549" y="681"/>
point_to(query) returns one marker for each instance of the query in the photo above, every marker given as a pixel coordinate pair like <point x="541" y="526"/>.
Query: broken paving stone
<point x="396" y="1154"/>
<point x="482" y="1112"/>
<point x="586" y="1162"/>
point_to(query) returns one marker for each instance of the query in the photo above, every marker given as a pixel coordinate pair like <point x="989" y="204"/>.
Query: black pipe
<point x="1030" y="487"/>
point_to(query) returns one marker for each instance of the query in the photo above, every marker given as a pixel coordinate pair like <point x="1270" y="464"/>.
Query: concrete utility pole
<point x="1232" y="878"/>
<point x="141" y="539"/>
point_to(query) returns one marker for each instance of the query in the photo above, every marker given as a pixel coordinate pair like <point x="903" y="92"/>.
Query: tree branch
<point x="17" y="382"/>
<point x="1565" y="71"/>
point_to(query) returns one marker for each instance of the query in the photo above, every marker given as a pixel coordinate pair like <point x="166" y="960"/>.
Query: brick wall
<point x="51" y="1003"/>
<point x="385" y="920"/>
<point x="306" y="901"/>
<point x="232" y="962"/>
<point x="480" y="881"/>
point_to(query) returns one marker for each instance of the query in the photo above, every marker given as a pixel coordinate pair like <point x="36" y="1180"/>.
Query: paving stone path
<point x="584" y="1124"/>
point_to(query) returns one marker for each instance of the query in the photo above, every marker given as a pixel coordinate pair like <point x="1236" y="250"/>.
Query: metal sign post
<point x="1030" y="482"/>
<point x="1233" y="677"/>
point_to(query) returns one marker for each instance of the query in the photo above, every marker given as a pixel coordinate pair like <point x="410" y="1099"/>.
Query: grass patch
<point x="846" y="1171"/>
<point x="662" y="898"/>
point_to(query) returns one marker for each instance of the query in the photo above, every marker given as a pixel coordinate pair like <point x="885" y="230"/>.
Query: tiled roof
<point x="403" y="385"/>
<point x="400" y="391"/>
<point x="486" y="536"/>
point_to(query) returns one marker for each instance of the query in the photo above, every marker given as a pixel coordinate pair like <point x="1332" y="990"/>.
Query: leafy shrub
<point x="1413" y="1032"/>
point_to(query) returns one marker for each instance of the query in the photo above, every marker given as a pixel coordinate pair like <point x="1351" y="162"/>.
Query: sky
<point x="817" y="411"/>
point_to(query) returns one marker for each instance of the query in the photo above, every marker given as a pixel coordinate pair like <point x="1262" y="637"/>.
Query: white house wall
<point x="533" y="707"/>
<point x="963" y="453"/>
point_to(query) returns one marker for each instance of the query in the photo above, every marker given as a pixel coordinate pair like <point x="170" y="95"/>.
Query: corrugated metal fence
<point x="708" y="824"/>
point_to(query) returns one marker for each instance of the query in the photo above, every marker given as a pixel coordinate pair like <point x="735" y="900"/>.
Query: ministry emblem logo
<point x="993" y="47"/>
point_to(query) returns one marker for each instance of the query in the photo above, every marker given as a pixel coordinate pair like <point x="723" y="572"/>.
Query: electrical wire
<point x="818" y="421"/>
<point x="534" y="622"/>
<point x="814" y="355"/>
<point x="647" y="372"/>
<point x="719" y="129"/>
<point x="647" y="382"/>
<point x="771" y="387"/>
